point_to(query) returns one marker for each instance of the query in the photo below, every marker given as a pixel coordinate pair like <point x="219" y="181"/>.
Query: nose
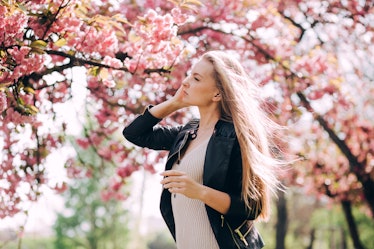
<point x="185" y="82"/>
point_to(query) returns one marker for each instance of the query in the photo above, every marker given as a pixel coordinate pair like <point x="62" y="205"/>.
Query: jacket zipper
<point x="232" y="234"/>
<point x="242" y="238"/>
<point x="237" y="231"/>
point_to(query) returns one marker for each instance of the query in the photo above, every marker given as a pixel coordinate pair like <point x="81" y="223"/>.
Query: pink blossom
<point x="3" y="101"/>
<point x="95" y="139"/>
<point x="120" y="196"/>
<point x="150" y="168"/>
<point x="109" y="83"/>
<point x="74" y="172"/>
<point x="112" y="62"/>
<point x="131" y="64"/>
<point x="38" y="28"/>
<point x="89" y="173"/>
<point x="116" y="185"/>
<point x="83" y="142"/>
<point x="151" y="15"/>
<point x="105" y="153"/>
<point x="26" y="62"/>
<point x="178" y="16"/>
<point x="113" y="193"/>
<point x="67" y="24"/>
<point x="126" y="171"/>
<point x="12" y="26"/>
<point x="106" y="195"/>
<point x="17" y="118"/>
<point x="102" y="41"/>
<point x="60" y="187"/>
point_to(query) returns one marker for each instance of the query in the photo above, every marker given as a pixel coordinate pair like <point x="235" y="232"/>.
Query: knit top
<point x="192" y="225"/>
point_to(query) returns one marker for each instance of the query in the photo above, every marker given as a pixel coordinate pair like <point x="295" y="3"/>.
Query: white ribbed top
<point x="193" y="230"/>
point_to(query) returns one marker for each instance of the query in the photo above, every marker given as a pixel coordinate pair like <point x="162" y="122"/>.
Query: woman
<point x="220" y="171"/>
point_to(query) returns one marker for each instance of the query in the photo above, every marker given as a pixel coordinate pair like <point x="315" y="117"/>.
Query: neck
<point x="208" y="118"/>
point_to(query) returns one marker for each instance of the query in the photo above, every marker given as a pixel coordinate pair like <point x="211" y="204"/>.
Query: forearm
<point x="219" y="201"/>
<point x="164" y="109"/>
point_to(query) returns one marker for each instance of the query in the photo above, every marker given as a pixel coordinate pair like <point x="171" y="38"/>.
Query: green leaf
<point x="94" y="71"/>
<point x="38" y="44"/>
<point x="29" y="90"/>
<point x="60" y="42"/>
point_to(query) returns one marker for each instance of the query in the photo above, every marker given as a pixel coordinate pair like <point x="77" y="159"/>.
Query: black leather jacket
<point x="222" y="171"/>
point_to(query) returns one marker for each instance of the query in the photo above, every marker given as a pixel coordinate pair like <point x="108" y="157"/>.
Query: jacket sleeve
<point x="144" y="132"/>
<point x="238" y="210"/>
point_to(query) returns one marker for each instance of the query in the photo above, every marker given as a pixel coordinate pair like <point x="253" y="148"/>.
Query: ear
<point x="217" y="97"/>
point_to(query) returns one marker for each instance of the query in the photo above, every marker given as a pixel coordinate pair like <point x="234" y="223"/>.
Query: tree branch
<point x="353" y="161"/>
<point x="294" y="23"/>
<point x="75" y="61"/>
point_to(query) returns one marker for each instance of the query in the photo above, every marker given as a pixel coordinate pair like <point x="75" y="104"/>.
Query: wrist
<point x="203" y="193"/>
<point x="174" y="105"/>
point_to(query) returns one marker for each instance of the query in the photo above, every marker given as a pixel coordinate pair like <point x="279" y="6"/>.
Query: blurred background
<point x="73" y="73"/>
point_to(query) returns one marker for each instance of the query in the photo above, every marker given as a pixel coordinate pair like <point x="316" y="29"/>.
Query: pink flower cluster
<point x="153" y="41"/>
<point x="26" y="63"/>
<point x="91" y="41"/>
<point x="3" y="102"/>
<point x="12" y="26"/>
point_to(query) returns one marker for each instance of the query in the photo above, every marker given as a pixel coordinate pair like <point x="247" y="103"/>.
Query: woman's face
<point x="199" y="87"/>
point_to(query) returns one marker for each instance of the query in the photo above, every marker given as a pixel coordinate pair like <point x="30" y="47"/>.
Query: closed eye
<point x="196" y="76"/>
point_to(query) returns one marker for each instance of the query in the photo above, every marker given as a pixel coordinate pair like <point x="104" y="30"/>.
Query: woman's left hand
<point x="179" y="182"/>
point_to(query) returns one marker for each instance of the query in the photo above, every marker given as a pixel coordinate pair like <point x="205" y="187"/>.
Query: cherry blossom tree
<point x="125" y="51"/>
<point x="313" y="58"/>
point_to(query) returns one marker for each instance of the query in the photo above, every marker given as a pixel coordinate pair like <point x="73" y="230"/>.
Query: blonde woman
<point x="220" y="171"/>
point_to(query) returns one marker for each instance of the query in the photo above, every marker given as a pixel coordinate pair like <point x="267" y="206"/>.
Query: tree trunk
<point x="368" y="186"/>
<point x="344" y="240"/>
<point x="347" y="208"/>
<point x="356" y="167"/>
<point x="282" y="221"/>
<point x="312" y="238"/>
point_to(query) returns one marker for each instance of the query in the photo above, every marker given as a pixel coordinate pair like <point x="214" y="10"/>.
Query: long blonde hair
<point x="241" y="105"/>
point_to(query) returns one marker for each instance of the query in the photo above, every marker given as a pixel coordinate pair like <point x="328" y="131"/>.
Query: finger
<point x="170" y="179"/>
<point x="168" y="173"/>
<point x="173" y="190"/>
<point x="176" y="190"/>
<point x="182" y="179"/>
<point x="174" y="185"/>
<point x="168" y="184"/>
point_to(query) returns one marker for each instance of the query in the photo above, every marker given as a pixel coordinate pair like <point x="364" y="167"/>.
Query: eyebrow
<point x="197" y="74"/>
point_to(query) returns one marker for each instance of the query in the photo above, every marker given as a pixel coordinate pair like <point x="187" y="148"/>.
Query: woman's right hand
<point x="173" y="104"/>
<point x="178" y="97"/>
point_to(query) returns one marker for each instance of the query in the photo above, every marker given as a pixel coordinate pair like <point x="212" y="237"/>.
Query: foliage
<point x="306" y="213"/>
<point x="30" y="242"/>
<point x="160" y="241"/>
<point x="313" y="59"/>
<point x="335" y="227"/>
<point x="87" y="221"/>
